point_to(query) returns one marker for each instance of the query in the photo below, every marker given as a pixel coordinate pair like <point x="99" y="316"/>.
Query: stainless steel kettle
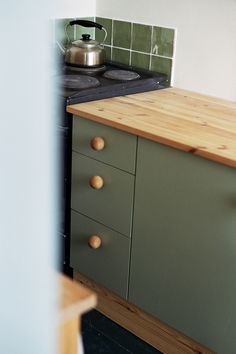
<point x="85" y="52"/>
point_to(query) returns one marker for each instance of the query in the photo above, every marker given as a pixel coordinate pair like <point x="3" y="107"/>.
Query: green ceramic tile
<point x="120" y="56"/>
<point x="108" y="53"/>
<point x="140" y="60"/>
<point x="121" y="34"/>
<point x="141" y="38"/>
<point x="84" y="30"/>
<point x="163" y="41"/>
<point x="60" y="35"/>
<point x="99" y="34"/>
<point x="162" y="65"/>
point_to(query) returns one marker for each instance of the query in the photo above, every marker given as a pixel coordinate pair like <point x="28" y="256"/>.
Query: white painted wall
<point x="74" y="8"/>
<point x="206" y="38"/>
<point x="27" y="181"/>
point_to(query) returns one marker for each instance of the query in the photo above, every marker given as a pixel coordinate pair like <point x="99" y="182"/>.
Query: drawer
<point x="119" y="147"/>
<point x="112" y="205"/>
<point x="108" y="264"/>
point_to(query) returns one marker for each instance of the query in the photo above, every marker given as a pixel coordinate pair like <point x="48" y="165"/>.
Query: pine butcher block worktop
<point x="74" y="298"/>
<point x="192" y="122"/>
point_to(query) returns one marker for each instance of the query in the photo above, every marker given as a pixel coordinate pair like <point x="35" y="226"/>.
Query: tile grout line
<point x="112" y="29"/>
<point x="150" y="59"/>
<point x="174" y="58"/>
<point x="131" y="43"/>
<point x="136" y="51"/>
<point x="74" y="34"/>
<point x="94" y="29"/>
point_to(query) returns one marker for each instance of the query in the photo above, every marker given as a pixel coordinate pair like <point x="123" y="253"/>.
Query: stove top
<point x="78" y="85"/>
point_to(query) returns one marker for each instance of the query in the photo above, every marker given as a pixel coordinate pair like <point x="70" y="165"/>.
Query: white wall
<point x="74" y="8"/>
<point x="27" y="181"/>
<point x="206" y="38"/>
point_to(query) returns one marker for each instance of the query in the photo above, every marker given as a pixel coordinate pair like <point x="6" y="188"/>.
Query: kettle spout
<point x="61" y="47"/>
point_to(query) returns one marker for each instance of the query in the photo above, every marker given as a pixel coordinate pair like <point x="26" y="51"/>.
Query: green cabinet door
<point x="108" y="264"/>
<point x="183" y="258"/>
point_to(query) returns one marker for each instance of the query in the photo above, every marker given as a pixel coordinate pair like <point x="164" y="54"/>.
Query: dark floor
<point x="103" y="336"/>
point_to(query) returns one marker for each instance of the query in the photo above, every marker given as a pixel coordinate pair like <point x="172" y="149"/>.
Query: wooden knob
<point x="94" y="242"/>
<point x="97" y="143"/>
<point x="96" y="182"/>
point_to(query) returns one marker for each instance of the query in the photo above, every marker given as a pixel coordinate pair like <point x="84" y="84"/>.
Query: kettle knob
<point x="85" y="37"/>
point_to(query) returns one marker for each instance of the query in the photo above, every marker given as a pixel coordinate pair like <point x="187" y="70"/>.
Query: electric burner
<point x="77" y="82"/>
<point x="87" y="71"/>
<point x="122" y="75"/>
<point x="77" y="85"/>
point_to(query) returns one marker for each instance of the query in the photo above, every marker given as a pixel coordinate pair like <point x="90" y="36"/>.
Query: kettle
<point x="85" y="52"/>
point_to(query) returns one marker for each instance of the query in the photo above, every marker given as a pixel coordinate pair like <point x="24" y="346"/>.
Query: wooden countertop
<point x="74" y="299"/>
<point x="192" y="122"/>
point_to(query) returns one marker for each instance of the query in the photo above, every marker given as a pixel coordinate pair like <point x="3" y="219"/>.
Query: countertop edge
<point x="78" y="109"/>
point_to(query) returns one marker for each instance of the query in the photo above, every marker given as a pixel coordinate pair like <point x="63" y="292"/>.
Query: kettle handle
<point x="85" y="23"/>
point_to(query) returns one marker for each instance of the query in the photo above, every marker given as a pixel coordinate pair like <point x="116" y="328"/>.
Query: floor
<point x="103" y="336"/>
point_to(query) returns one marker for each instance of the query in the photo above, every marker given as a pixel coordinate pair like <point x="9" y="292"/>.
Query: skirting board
<point x="144" y="326"/>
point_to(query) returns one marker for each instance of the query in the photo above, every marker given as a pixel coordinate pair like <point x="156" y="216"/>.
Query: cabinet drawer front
<point x="112" y="204"/>
<point x="108" y="265"/>
<point x="119" y="147"/>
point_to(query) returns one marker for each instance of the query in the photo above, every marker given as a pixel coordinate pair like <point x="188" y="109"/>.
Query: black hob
<point x="78" y="85"/>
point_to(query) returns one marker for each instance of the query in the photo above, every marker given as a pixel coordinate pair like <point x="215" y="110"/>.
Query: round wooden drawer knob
<point x="97" y="143"/>
<point x="96" y="182"/>
<point x="94" y="242"/>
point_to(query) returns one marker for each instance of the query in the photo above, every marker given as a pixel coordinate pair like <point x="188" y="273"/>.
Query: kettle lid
<point x="86" y="42"/>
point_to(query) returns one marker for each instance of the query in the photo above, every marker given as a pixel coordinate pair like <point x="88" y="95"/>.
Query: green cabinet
<point x="183" y="257"/>
<point x="167" y="222"/>
<point x="102" y="199"/>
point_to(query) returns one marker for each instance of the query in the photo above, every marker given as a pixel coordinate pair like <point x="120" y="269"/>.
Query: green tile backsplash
<point x="121" y="56"/>
<point x="99" y="34"/>
<point x="140" y="45"/>
<point x="164" y="65"/>
<point x="141" y="38"/>
<point x="121" y="34"/>
<point x="108" y="52"/>
<point x="163" y="41"/>
<point x="140" y="60"/>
